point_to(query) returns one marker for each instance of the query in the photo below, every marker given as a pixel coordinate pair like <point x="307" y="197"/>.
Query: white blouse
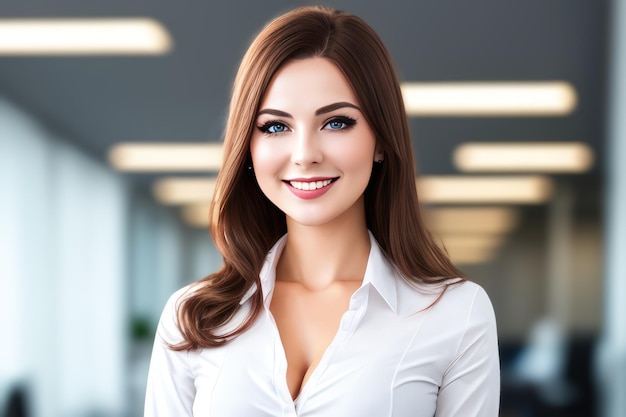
<point x="391" y="356"/>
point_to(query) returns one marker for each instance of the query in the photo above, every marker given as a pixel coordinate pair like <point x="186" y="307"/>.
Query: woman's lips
<point x="309" y="188"/>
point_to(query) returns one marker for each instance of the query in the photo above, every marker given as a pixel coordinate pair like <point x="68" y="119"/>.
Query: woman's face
<point x="312" y="149"/>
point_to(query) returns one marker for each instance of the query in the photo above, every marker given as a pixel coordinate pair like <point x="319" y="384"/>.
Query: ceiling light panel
<point x="484" y="190"/>
<point x="164" y="157"/>
<point x="180" y="191"/>
<point x="470" y="248"/>
<point x="462" y="241"/>
<point x="127" y="36"/>
<point x="570" y="157"/>
<point x="549" y="98"/>
<point x="471" y="220"/>
<point x="197" y="215"/>
<point x="470" y="256"/>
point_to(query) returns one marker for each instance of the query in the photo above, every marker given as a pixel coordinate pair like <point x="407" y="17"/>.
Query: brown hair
<point x="245" y="224"/>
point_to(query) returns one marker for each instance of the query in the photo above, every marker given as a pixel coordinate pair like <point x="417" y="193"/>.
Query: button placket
<point x="356" y="308"/>
<point x="280" y="368"/>
<point x="348" y="324"/>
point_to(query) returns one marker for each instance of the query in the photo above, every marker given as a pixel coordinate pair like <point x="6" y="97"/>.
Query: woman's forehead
<point x="310" y="82"/>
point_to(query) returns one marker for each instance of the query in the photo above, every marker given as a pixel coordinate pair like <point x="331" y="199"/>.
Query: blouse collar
<point x="379" y="273"/>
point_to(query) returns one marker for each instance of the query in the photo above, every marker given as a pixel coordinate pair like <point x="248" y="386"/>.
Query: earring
<point x="379" y="161"/>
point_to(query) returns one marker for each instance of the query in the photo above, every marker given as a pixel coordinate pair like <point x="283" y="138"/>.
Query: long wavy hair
<point x="245" y="224"/>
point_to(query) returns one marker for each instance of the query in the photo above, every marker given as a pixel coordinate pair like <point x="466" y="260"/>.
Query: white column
<point x="612" y="364"/>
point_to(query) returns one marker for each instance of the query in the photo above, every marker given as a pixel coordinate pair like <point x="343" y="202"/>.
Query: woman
<point x="333" y="299"/>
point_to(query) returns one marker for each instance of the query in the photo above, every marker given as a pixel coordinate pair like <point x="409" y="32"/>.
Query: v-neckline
<point x="314" y="373"/>
<point x="305" y="386"/>
<point x="318" y="362"/>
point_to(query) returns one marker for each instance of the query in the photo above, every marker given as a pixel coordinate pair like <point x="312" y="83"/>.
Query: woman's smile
<point x="312" y="141"/>
<point x="309" y="189"/>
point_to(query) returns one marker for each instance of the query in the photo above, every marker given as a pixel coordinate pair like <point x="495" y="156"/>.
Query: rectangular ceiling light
<point x="473" y="220"/>
<point x="470" y="256"/>
<point x="92" y="36"/>
<point x="484" y="190"/>
<point x="462" y="241"/>
<point x="179" y="191"/>
<point x="160" y="157"/>
<point x="565" y="157"/>
<point x="197" y="215"/>
<point x="470" y="248"/>
<point x="548" y="98"/>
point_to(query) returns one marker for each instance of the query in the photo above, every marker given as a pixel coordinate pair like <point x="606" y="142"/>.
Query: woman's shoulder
<point x="454" y="296"/>
<point x="168" y="329"/>
<point x="462" y="312"/>
<point x="468" y="299"/>
<point x="465" y="289"/>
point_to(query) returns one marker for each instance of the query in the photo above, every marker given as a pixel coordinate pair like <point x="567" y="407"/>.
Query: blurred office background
<point x="517" y="114"/>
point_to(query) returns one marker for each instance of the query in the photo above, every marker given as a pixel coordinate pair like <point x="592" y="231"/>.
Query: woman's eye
<point x="276" y="128"/>
<point x="336" y="124"/>
<point x="273" y="127"/>
<point x="340" y="123"/>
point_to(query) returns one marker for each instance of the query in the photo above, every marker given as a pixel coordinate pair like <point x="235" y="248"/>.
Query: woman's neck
<point x="317" y="256"/>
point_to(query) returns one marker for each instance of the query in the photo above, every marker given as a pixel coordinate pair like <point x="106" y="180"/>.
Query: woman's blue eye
<point x="276" y="128"/>
<point x="340" y="123"/>
<point x="336" y="125"/>
<point x="273" y="127"/>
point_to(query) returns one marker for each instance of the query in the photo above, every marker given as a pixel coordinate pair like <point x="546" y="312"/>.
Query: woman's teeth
<point x="313" y="185"/>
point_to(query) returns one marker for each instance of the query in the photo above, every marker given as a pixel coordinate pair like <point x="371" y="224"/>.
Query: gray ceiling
<point x="183" y="96"/>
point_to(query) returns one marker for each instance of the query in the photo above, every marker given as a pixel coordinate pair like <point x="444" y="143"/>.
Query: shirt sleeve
<point x="471" y="384"/>
<point x="170" y="390"/>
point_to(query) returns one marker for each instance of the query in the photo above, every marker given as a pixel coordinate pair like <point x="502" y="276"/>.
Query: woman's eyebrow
<point x="335" y="106"/>
<point x="321" y="110"/>
<point x="275" y="113"/>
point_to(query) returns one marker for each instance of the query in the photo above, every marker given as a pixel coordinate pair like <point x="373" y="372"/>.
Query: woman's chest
<point x="307" y="321"/>
<point x="375" y="365"/>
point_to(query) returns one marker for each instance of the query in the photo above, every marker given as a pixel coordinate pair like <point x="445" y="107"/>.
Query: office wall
<point x="62" y="304"/>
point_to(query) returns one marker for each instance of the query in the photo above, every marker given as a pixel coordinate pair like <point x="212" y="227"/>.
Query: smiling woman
<point x="334" y="299"/>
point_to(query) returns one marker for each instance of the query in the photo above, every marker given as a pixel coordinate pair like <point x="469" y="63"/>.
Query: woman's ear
<point x="379" y="156"/>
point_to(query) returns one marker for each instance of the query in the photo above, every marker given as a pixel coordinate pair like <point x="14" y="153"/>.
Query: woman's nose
<point x="306" y="149"/>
